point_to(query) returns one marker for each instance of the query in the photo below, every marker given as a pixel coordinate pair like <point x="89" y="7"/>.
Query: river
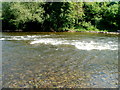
<point x="62" y="59"/>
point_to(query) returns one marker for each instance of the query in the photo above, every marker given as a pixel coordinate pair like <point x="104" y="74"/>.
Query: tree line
<point x="60" y="16"/>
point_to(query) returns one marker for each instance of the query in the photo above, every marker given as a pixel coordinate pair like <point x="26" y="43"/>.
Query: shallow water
<point x="77" y="60"/>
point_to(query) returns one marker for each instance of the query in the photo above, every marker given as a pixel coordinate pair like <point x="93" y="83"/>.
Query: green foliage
<point x="0" y="10"/>
<point x="61" y="16"/>
<point x="24" y="12"/>
<point x="57" y="15"/>
<point x="7" y="16"/>
<point x="103" y="15"/>
<point x="109" y="16"/>
<point x="118" y="16"/>
<point x="21" y="13"/>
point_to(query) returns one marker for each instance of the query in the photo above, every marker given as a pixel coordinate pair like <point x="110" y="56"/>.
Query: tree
<point x="109" y="12"/>
<point x="21" y="14"/>
<point x="61" y="16"/>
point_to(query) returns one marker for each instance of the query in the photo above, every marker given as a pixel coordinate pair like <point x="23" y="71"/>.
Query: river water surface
<point x="53" y="60"/>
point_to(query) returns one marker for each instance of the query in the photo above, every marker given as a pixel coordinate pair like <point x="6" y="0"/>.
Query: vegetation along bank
<point x="61" y="16"/>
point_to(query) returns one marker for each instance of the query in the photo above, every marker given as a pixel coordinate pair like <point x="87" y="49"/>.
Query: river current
<point x="54" y="60"/>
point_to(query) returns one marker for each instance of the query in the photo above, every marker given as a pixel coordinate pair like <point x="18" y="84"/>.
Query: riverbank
<point x="96" y="32"/>
<point x="104" y="32"/>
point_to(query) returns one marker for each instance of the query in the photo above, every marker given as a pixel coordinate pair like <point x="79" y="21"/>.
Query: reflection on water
<point x="77" y="60"/>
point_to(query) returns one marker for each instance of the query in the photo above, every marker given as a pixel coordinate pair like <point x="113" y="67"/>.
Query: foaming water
<point x="95" y="45"/>
<point x="82" y="45"/>
<point x="27" y="37"/>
